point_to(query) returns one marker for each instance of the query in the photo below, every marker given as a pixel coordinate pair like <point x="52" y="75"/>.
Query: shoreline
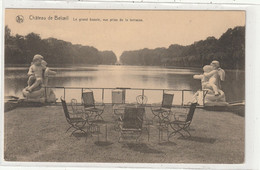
<point x="82" y="66"/>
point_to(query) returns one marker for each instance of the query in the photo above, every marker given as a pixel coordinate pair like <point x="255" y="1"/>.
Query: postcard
<point x="137" y="86"/>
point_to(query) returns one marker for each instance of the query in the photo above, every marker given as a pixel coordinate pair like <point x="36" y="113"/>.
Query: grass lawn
<point x="38" y="134"/>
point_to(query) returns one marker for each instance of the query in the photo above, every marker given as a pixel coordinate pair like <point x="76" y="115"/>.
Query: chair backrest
<point x="88" y="99"/>
<point x="167" y="100"/>
<point x="65" y="109"/>
<point x="133" y="117"/>
<point x="74" y="105"/>
<point x="141" y="99"/>
<point x="191" y="112"/>
<point x="118" y="96"/>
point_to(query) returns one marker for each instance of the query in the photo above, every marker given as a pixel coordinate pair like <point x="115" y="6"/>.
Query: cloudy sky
<point x="157" y="28"/>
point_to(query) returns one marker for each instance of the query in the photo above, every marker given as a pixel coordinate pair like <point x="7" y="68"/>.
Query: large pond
<point x="106" y="76"/>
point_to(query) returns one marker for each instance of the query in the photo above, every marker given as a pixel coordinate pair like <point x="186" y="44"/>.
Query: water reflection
<point x="126" y="76"/>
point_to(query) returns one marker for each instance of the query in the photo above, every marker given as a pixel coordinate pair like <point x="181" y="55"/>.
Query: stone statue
<point x="37" y="81"/>
<point x="211" y="84"/>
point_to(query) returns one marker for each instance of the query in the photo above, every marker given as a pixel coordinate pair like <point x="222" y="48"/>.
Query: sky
<point x="148" y="29"/>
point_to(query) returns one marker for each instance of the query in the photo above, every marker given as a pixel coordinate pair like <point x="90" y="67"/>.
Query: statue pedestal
<point x="210" y="99"/>
<point x="42" y="95"/>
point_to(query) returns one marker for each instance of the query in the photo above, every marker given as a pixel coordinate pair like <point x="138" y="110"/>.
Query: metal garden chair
<point x="164" y="111"/>
<point x="90" y="107"/>
<point x="76" y="111"/>
<point x="79" y="123"/>
<point x="179" y="126"/>
<point x="118" y="104"/>
<point x="142" y="101"/>
<point x="132" y="123"/>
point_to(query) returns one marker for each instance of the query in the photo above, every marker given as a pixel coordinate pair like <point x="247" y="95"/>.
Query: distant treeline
<point x="229" y="50"/>
<point x="21" y="49"/>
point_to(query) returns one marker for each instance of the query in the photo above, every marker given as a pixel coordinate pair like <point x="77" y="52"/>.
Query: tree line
<point x="229" y="50"/>
<point x="21" y="49"/>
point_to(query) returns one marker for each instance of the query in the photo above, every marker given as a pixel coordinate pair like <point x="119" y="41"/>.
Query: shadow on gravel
<point x="199" y="139"/>
<point x="103" y="143"/>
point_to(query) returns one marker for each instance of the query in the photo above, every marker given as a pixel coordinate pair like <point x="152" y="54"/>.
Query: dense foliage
<point x="21" y="49"/>
<point x="229" y="49"/>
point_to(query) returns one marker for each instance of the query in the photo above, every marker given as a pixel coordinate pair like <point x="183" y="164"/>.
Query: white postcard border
<point x="252" y="78"/>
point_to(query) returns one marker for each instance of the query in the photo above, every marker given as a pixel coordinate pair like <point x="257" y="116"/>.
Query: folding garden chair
<point x="182" y="126"/>
<point x="118" y="102"/>
<point x="76" y="111"/>
<point x="165" y="110"/>
<point x="141" y="102"/>
<point x="132" y="123"/>
<point x="79" y="123"/>
<point x="90" y="107"/>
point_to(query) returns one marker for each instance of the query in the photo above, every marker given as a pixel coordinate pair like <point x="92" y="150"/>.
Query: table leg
<point x="106" y="132"/>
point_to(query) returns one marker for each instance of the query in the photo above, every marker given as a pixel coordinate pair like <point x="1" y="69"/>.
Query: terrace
<point x="38" y="134"/>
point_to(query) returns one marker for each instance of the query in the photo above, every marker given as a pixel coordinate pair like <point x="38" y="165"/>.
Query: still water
<point x="126" y="76"/>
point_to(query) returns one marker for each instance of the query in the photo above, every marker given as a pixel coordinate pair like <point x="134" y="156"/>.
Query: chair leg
<point x="116" y="127"/>
<point x="175" y="131"/>
<point x="78" y="129"/>
<point x="148" y="132"/>
<point x="159" y="135"/>
<point x="106" y="132"/>
<point x="68" y="129"/>
<point x="90" y="113"/>
<point x="187" y="131"/>
<point x="98" y="115"/>
<point x="155" y="115"/>
<point x="120" y="136"/>
<point x="81" y="126"/>
<point x="165" y="115"/>
<point x="171" y="135"/>
<point x="167" y="135"/>
<point x="74" y="132"/>
<point x="138" y="136"/>
<point x="83" y="131"/>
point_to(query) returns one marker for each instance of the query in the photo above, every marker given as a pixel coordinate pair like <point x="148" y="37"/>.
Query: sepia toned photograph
<point x="124" y="86"/>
